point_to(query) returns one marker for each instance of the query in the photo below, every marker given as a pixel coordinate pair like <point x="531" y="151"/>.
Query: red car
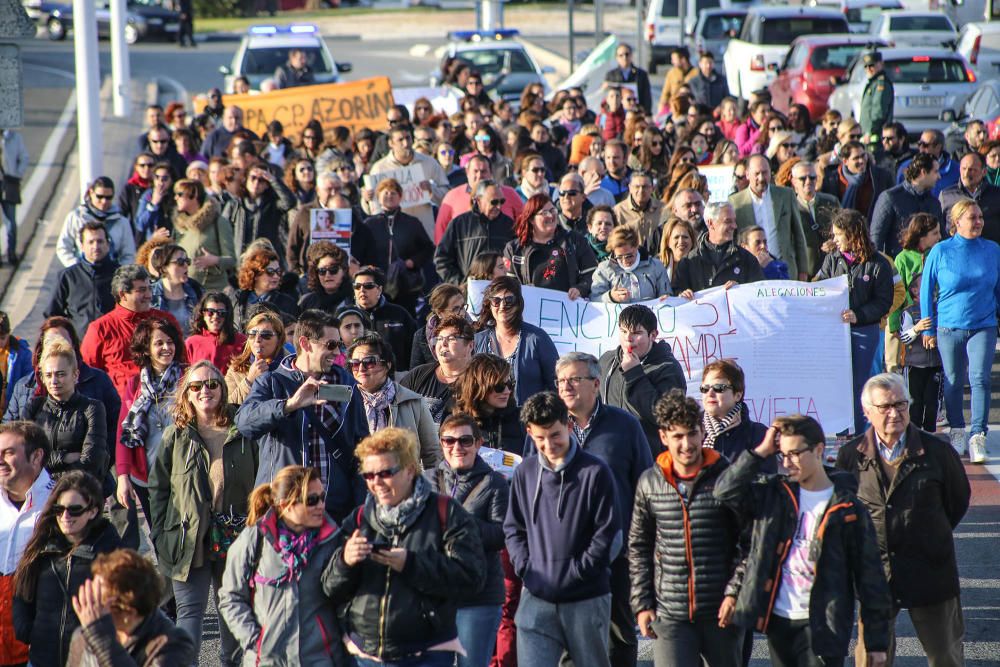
<point x="805" y="75"/>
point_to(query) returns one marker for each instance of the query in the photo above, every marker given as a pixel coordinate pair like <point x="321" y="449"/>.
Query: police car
<point x="505" y="65"/>
<point x="265" y="47"/>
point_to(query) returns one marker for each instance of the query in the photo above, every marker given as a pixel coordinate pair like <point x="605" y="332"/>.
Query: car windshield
<point x="493" y="61"/>
<point x="834" y="57"/>
<point x="265" y="61"/>
<point x="924" y="69"/>
<point x="670" y="8"/>
<point x="919" y="23"/>
<point x="784" y="31"/>
<point x="720" y="26"/>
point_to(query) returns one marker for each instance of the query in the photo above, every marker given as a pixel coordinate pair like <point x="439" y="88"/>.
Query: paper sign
<point x="416" y="188"/>
<point x="331" y="224"/>
<point x="501" y="461"/>
<point x="720" y="181"/>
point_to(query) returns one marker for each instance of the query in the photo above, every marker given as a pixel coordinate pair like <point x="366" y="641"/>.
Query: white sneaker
<point x="977" y="448"/>
<point x="959" y="440"/>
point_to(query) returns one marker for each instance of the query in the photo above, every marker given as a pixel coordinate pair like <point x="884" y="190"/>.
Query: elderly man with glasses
<point x="816" y="210"/>
<point x="572" y="203"/>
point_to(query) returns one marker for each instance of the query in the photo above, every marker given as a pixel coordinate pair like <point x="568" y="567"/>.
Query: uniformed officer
<point x="876" y="101"/>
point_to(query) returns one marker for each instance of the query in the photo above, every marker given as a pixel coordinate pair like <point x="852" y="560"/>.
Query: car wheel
<point x="55" y="29"/>
<point x="131" y="33"/>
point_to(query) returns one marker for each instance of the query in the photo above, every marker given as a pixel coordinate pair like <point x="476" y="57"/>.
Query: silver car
<point x="925" y="81"/>
<point x="714" y="29"/>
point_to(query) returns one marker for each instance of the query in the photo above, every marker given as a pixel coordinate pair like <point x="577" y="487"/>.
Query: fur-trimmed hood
<point x="199" y="220"/>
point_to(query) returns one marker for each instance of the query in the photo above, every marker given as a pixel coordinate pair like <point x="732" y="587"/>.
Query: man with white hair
<point x="592" y="171"/>
<point x="816" y="210"/>
<point x="716" y="259"/>
<point x="571" y="203"/>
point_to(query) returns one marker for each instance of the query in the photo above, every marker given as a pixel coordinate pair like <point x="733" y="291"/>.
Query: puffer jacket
<point x="915" y="515"/>
<point x="18" y="366"/>
<point x="180" y="493"/>
<point x="650" y="272"/>
<point x="289" y="624"/>
<point x="845" y="552"/>
<point x="484" y="494"/>
<point x="565" y="262"/>
<point x="698" y="271"/>
<point x="48" y="621"/>
<point x="683" y="554"/>
<point x="391" y="615"/>
<point x="156" y="642"/>
<point x="76" y="426"/>
<point x="869" y="284"/>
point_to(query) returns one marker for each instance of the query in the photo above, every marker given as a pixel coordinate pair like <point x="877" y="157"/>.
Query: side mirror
<point x="947" y="116"/>
<point x="224" y="69"/>
<point x="344" y="68"/>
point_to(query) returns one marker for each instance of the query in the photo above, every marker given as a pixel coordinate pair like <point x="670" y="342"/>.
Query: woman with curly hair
<point x="783" y="174"/>
<point x="214" y="336"/>
<point x="263" y="351"/>
<point x="259" y="278"/>
<point x="326" y="277"/>
<point x="175" y="292"/>
<point x="300" y="177"/>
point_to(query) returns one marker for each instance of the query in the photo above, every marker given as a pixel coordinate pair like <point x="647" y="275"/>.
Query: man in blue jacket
<point x="15" y="360"/>
<point x="294" y="426"/>
<point x="562" y="531"/>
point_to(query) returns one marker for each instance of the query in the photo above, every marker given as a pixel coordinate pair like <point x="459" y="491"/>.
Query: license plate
<point x="925" y="101"/>
<point x="172" y="27"/>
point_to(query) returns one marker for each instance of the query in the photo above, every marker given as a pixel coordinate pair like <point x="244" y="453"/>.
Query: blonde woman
<point x="627" y="276"/>
<point x="264" y="350"/>
<point x="677" y="241"/>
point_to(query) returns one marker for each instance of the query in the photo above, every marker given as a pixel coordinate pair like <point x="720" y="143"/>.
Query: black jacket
<point x="892" y="213"/>
<point x="988" y="199"/>
<point x="869" y="285"/>
<point x="420" y="350"/>
<point x="640" y="78"/>
<point x="83" y="293"/>
<point x="277" y="301"/>
<point x="468" y="235"/>
<point x="77" y="426"/>
<point x="874" y="182"/>
<point x="699" y="270"/>
<point x="483" y="493"/>
<point x="844" y="551"/>
<point x="397" y="327"/>
<point x="48" y="621"/>
<point x="745" y="435"/>
<point x="566" y="261"/>
<point x="914" y="515"/>
<point x="392" y="615"/>
<point x="683" y="549"/>
<point x="264" y="219"/>
<point x="407" y="240"/>
<point x="156" y="642"/>
<point x="708" y="90"/>
<point x="637" y="390"/>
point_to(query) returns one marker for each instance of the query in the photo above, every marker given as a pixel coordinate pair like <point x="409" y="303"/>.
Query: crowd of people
<point x="365" y="469"/>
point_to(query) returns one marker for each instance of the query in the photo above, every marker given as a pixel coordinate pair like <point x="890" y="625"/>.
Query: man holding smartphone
<point x="295" y="414"/>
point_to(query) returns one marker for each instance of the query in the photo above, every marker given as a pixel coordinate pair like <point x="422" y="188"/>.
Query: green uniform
<point x="876" y="107"/>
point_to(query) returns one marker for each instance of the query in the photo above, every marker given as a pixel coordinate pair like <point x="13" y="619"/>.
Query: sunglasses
<point x="388" y="473"/>
<point x="804" y="179"/>
<point x="328" y="271"/>
<point x="361" y="286"/>
<point x="537" y="170"/>
<point x="272" y="272"/>
<point x="214" y="312"/>
<point x="568" y="193"/>
<point x="506" y="301"/>
<point x="503" y="386"/>
<point x="313" y="499"/>
<point x="103" y="197"/>
<point x="263" y="334"/>
<point x="161" y="177"/>
<point x="497" y="202"/>
<point x="158" y="141"/>
<point x="181" y="261"/>
<point x="718" y="388"/>
<point x="463" y="441"/>
<point x="143" y="165"/>
<point x="330" y="345"/>
<point x="73" y="510"/>
<point x="367" y="363"/>
<point x="482" y="137"/>
<point x="196" y="385"/>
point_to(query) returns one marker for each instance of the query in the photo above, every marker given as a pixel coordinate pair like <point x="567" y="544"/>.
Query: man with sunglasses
<point x="876" y="100"/>
<point x="389" y="320"/>
<point x="816" y="210"/>
<point x="895" y="147"/>
<point x="931" y="143"/>
<point x="484" y="228"/>
<point x="83" y="291"/>
<point x="294" y="426"/>
<point x="98" y="206"/>
<point x="572" y="203"/>
<point x="458" y="201"/>
<point x="801" y="518"/>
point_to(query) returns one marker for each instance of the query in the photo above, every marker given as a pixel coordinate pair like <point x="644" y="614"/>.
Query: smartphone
<point x="379" y="548"/>
<point x="337" y="393"/>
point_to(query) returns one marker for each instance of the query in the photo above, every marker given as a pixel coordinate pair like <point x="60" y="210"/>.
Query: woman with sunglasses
<point x="729" y="428"/>
<point x="271" y="598"/>
<point x="327" y="283"/>
<point x="140" y="181"/>
<point x="68" y="535"/>
<point x="263" y="351"/>
<point x="387" y="403"/>
<point x="483" y="493"/>
<point x="204" y="234"/>
<point x="444" y="153"/>
<point x="391" y="617"/>
<point x="444" y="300"/>
<point x="300" y="177"/>
<point x="261" y="207"/>
<point x="487" y="142"/>
<point x="259" y="278"/>
<point x="198" y="491"/>
<point x="174" y="292"/>
<point x="485" y="391"/>
<point x="501" y="330"/>
<point x="214" y="336"/>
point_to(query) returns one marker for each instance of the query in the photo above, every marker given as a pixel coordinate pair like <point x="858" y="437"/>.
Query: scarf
<point x="139" y="181"/>
<point x="993" y="176"/>
<point x="854" y="183"/>
<point x="135" y="426"/>
<point x="530" y="192"/>
<point x="377" y="405"/>
<point x="716" y="427"/>
<point x="200" y="219"/>
<point x="393" y="521"/>
<point x="294" y="550"/>
<point x="600" y="249"/>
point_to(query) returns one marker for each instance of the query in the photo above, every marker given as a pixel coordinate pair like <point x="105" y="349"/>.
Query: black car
<point x="145" y="19"/>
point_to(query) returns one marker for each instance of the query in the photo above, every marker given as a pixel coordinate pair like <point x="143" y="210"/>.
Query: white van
<point x="980" y="44"/>
<point x="663" y="27"/>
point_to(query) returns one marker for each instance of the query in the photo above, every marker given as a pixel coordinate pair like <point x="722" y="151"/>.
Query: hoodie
<point x="562" y="528"/>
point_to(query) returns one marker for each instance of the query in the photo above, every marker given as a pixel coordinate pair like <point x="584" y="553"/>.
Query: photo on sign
<point x="331" y="224"/>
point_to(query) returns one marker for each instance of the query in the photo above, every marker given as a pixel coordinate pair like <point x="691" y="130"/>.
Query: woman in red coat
<point x="215" y="337"/>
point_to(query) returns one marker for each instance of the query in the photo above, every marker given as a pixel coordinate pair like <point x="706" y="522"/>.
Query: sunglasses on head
<point x="196" y="385"/>
<point x="388" y="473"/>
<point x="508" y="301"/>
<point x="463" y="441"/>
<point x="263" y="334"/>
<point x="73" y="510"/>
<point x="367" y="363"/>
<point x="217" y="312"/>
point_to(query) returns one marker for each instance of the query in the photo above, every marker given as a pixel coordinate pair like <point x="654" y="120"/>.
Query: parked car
<point x="860" y="13"/>
<point x="663" y="25"/>
<point x="144" y="19"/>
<point x="979" y="43"/>
<point x="903" y="28"/>
<point x="752" y="59"/>
<point x="714" y="29"/>
<point x="814" y="61"/>
<point x="926" y="81"/>
<point x="984" y="105"/>
<point x="265" y="48"/>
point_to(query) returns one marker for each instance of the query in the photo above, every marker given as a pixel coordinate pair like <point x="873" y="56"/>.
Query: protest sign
<point x="787" y="336"/>
<point x="354" y="104"/>
<point x="720" y="181"/>
<point x="416" y="187"/>
<point x="331" y="224"/>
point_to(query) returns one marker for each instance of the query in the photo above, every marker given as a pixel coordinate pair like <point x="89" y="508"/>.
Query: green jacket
<point x="876" y="107"/>
<point x="180" y="494"/>
<point x="207" y="230"/>
<point x="909" y="263"/>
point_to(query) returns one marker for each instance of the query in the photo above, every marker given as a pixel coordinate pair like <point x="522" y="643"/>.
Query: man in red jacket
<point x="106" y="343"/>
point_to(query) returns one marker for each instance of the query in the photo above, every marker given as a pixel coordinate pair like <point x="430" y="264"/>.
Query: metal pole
<point x="598" y="21"/>
<point x="640" y="17"/>
<point x="572" y="59"/>
<point x="120" y="70"/>
<point x="682" y="17"/>
<point x="88" y="89"/>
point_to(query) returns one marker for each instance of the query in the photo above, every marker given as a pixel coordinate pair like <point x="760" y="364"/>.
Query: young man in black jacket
<point x="83" y="292"/>
<point x="813" y="551"/>
<point x="683" y="547"/>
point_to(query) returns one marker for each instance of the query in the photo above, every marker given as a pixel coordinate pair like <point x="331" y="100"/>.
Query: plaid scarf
<point x="135" y="426"/>
<point x="377" y="405"/>
<point x="294" y="550"/>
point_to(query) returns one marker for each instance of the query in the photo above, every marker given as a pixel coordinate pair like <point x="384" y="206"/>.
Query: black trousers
<point x="925" y="388"/>
<point x="790" y="645"/>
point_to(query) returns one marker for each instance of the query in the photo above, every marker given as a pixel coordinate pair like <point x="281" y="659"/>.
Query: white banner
<point x="416" y="188"/>
<point x="720" y="181"/>
<point x="786" y="335"/>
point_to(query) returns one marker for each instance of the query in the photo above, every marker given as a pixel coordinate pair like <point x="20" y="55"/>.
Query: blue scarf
<point x="854" y="183"/>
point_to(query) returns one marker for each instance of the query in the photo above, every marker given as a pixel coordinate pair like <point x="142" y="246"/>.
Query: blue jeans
<point x="191" y="597"/>
<point x="477" y="630"/>
<point x="965" y="351"/>
<point x="428" y="659"/>
<point x="864" y="345"/>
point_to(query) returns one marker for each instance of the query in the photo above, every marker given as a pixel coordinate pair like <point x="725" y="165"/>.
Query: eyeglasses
<point x="537" y="170"/>
<point x="367" y="363"/>
<point x="718" y="388"/>
<point x="360" y="286"/>
<point x="806" y="178"/>
<point x="158" y="141"/>
<point x="925" y="144"/>
<point x="214" y="312"/>
<point x="309" y="136"/>
<point x="503" y="386"/>
<point x="463" y="441"/>
<point x="181" y="195"/>
<point x="854" y="137"/>
<point x="73" y="510"/>
<point x="305" y="167"/>
<point x="388" y="473"/>
<point x="103" y="197"/>
<point x="898" y="406"/>
<point x="195" y="385"/>
<point x="144" y="165"/>
<point x="655" y="144"/>
<point x="161" y="177"/>
<point x="506" y="301"/>
<point x="569" y="193"/>
<point x="272" y="272"/>
<point x="789" y="145"/>
<point x="573" y="381"/>
<point x="498" y="202"/>
<point x="794" y="455"/>
<point x="263" y="334"/>
<point x="889" y="138"/>
<point x="451" y="340"/>
<point x="328" y="271"/>
<point x="625" y="258"/>
<point x="181" y="261"/>
<point x="482" y="137"/>
<point x="313" y="499"/>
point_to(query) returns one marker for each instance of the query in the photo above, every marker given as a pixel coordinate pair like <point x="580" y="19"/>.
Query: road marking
<point x="420" y="50"/>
